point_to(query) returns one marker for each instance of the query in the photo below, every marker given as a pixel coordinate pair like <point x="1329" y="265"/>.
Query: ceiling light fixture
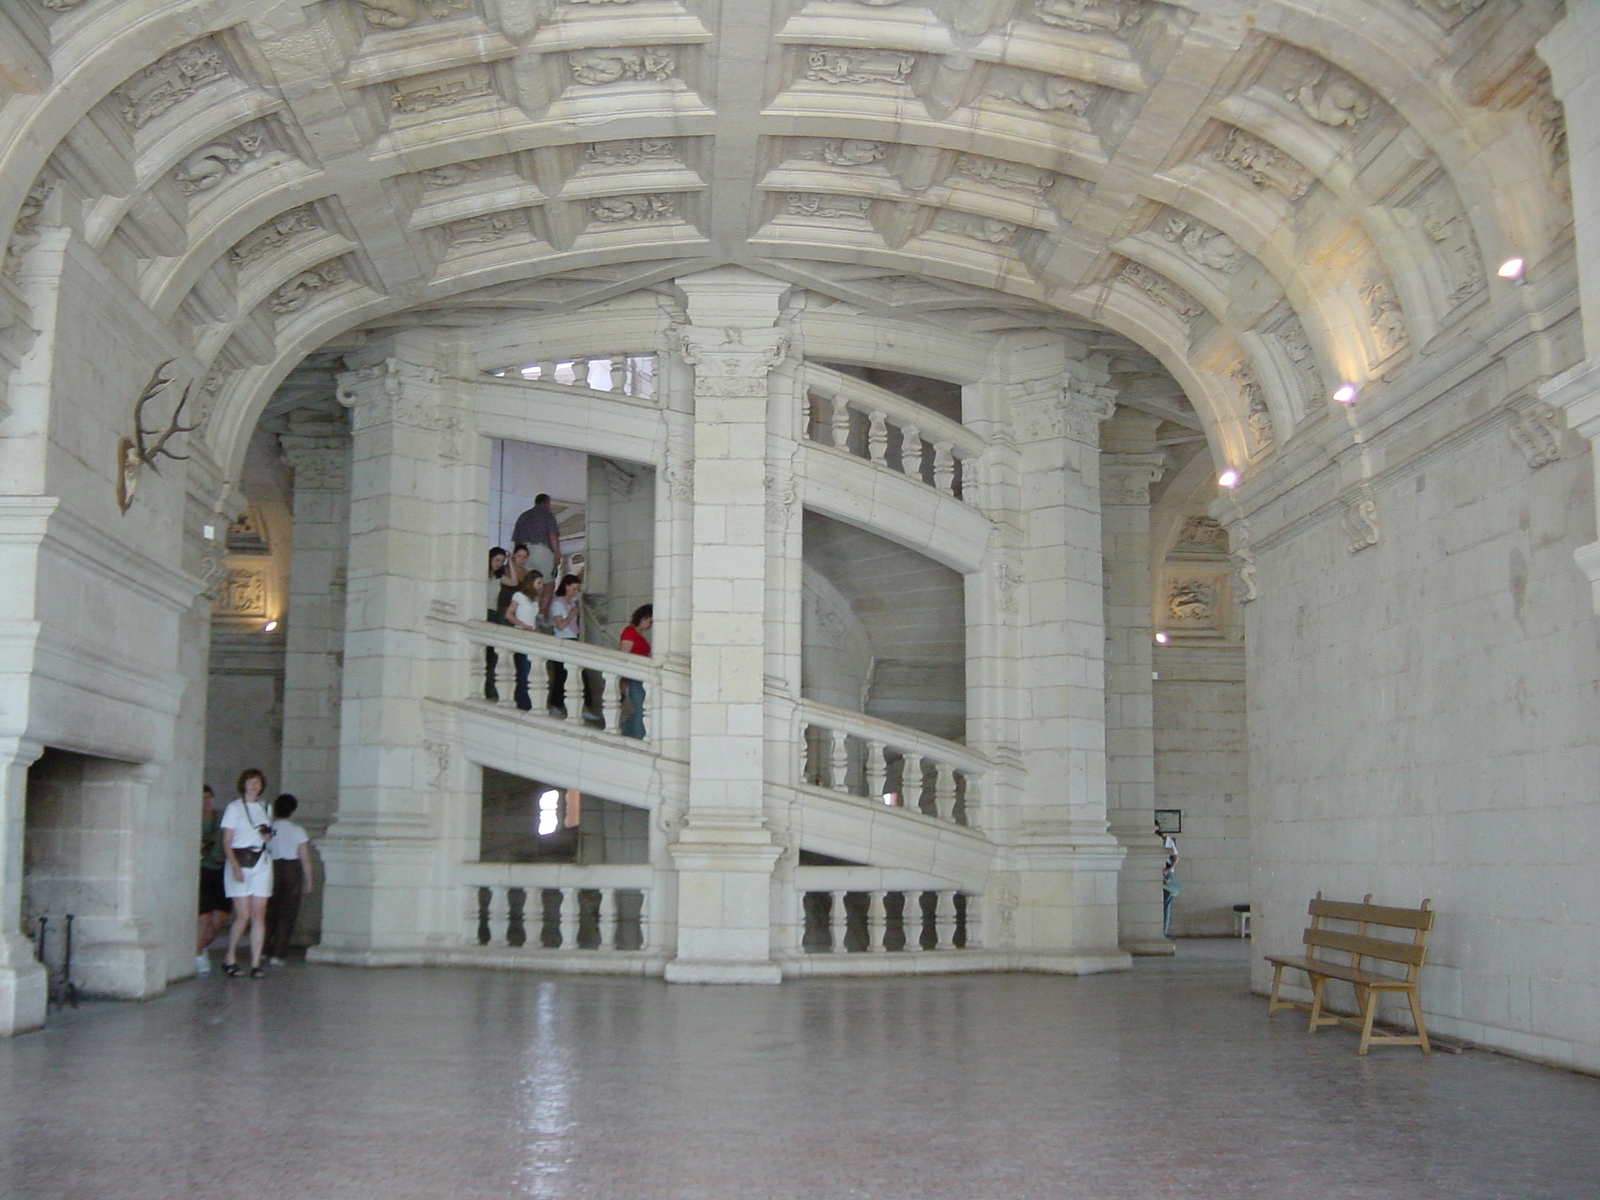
<point x="269" y="627"/>
<point x="1345" y="393"/>
<point x="1161" y="636"/>
<point x="1228" y="479"/>
<point x="1511" y="269"/>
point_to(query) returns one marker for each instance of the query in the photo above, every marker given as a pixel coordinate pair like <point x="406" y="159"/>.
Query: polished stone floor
<point x="322" y="1083"/>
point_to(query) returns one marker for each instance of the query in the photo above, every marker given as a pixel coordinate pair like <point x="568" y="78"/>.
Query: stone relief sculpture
<point x="1008" y="176"/>
<point x="613" y="210"/>
<point x="1258" y="417"/>
<point x="1332" y="100"/>
<point x="1192" y="601"/>
<point x="1203" y="245"/>
<point x="1088" y="16"/>
<point x="448" y="175"/>
<point x="397" y="14"/>
<point x="1244" y="575"/>
<point x="273" y="235"/>
<point x="60" y="5"/>
<point x="1262" y="163"/>
<point x="1046" y="93"/>
<point x="1360" y="522"/>
<point x="243" y="593"/>
<point x="170" y="80"/>
<point x="1439" y="214"/>
<point x="298" y="291"/>
<point x="1202" y="535"/>
<point x="1162" y="290"/>
<point x="983" y="229"/>
<point x="208" y="166"/>
<point x="595" y="68"/>
<point x="1536" y="431"/>
<point x="843" y="152"/>
<point x="1388" y="323"/>
<point x="828" y="65"/>
<point x="441" y="89"/>
<point x="630" y="151"/>
<point x="25" y="233"/>
<point x="810" y="204"/>
<point x="485" y="227"/>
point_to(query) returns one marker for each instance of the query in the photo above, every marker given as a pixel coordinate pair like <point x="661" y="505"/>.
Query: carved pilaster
<point x="1128" y="478"/>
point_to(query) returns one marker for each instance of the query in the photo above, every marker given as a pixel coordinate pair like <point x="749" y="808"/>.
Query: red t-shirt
<point x="634" y="642"/>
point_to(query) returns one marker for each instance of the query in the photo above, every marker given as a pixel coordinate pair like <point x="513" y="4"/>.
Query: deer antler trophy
<point x="134" y="453"/>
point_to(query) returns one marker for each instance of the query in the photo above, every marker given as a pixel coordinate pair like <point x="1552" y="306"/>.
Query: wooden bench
<point x="1360" y="946"/>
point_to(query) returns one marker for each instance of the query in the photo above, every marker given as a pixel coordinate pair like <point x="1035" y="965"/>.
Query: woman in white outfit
<point x="246" y="829"/>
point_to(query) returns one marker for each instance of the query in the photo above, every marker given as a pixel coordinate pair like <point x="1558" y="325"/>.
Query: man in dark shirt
<point x="537" y="529"/>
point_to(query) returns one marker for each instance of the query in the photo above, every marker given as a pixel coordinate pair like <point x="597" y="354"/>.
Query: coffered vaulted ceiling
<point x="1268" y="198"/>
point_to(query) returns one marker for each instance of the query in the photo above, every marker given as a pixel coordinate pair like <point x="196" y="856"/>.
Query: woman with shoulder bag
<point x="246" y="829"/>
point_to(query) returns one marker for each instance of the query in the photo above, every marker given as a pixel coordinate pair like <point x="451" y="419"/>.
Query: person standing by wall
<point x="563" y="613"/>
<point x="246" y="830"/>
<point x="537" y="528"/>
<point x="1170" y="886"/>
<point x="498" y="585"/>
<point x="213" y="900"/>
<point x="635" y="642"/>
<point x="291" y="878"/>
<point x="522" y="611"/>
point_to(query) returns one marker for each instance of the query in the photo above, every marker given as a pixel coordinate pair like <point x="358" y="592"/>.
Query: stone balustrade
<point x="557" y="907"/>
<point x="858" y="755"/>
<point x="847" y="910"/>
<point x="620" y="374"/>
<point x="856" y="418"/>
<point x="596" y="679"/>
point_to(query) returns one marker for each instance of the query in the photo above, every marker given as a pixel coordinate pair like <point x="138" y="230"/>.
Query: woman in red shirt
<point x="635" y="642"/>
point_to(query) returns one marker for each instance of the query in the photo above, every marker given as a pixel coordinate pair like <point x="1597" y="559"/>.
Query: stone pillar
<point x="1053" y="898"/>
<point x="724" y="851"/>
<point x="24" y="993"/>
<point x="317" y="447"/>
<point x="1129" y="465"/>
<point x="411" y="500"/>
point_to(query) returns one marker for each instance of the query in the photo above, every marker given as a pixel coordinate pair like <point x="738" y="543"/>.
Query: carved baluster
<point x="967" y="489"/>
<point x="944" y="468"/>
<point x="911" y="918"/>
<point x="569" y="918"/>
<point x="877" y="921"/>
<point x="877" y="770"/>
<point x="944" y="920"/>
<point x="839" y="761"/>
<point x="574" y="694"/>
<point x="580" y="372"/>
<point x="611" y="702"/>
<point x="644" y="918"/>
<point x="838" y="923"/>
<point x="841" y="423"/>
<point x="974" y="925"/>
<point x="516" y="908"/>
<point x="911" y="452"/>
<point x="547" y="372"/>
<point x="807" y="774"/>
<point x="485" y="906"/>
<point x="608" y="918"/>
<point x="911" y="782"/>
<point x="805" y="916"/>
<point x="944" y="792"/>
<point x="878" y="438"/>
<point x="619" y="373"/>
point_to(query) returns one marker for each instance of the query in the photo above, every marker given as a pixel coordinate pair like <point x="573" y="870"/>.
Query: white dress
<point x="242" y="818"/>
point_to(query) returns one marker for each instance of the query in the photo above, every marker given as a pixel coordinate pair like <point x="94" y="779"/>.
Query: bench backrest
<point x="1363" y="944"/>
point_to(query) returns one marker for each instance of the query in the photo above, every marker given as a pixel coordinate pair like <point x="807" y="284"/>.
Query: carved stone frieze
<point x="1008" y="176"/>
<point x="423" y="93"/>
<point x="812" y="204"/>
<point x="1045" y="93"/>
<point x="203" y="169"/>
<point x="1387" y="322"/>
<point x="630" y="151"/>
<point x="828" y="64"/>
<point x="843" y="152"/>
<point x="982" y="229"/>
<point x="1162" y="290"/>
<point x="298" y="292"/>
<point x="273" y="235"/>
<point x="169" y="81"/>
<point x="1262" y="163"/>
<point x="595" y="68"/>
<point x="616" y="210"/>
<point x="1088" y="16"/>
<point x="1202" y="244"/>
<point x="1536" y="430"/>
<point x="397" y="14"/>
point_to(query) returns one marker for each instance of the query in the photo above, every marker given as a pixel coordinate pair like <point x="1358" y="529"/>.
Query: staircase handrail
<point x="934" y="427"/>
<point x="624" y="876"/>
<point x="900" y="737"/>
<point x="869" y="879"/>
<point x="567" y="650"/>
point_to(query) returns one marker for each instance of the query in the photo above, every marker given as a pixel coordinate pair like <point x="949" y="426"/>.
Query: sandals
<point x="232" y="970"/>
<point x="258" y="972"/>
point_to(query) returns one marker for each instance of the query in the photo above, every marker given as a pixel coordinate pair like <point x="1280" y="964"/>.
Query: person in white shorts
<point x="246" y="830"/>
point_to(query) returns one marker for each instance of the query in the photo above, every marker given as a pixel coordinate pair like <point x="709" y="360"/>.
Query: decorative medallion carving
<point x="423" y="93"/>
<point x="169" y="81"/>
<point x="826" y="64"/>
<point x="1536" y="430"/>
<point x="1162" y="290"/>
<point x="1044" y="93"/>
<point x="595" y="68"/>
<point x="1191" y="600"/>
<point x="1262" y="163"/>
<point x="298" y="292"/>
<point x="1202" y="244"/>
<point x="273" y="235"/>
<point x="812" y="204"/>
<point x="843" y="152"/>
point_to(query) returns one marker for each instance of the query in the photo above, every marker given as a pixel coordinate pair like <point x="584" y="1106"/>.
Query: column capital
<point x="731" y="361"/>
<point x="1128" y="478"/>
<point x="388" y="390"/>
<point x="319" y="461"/>
<point x="1071" y="410"/>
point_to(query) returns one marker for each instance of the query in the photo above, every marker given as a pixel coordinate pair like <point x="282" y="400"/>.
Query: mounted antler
<point x="135" y="453"/>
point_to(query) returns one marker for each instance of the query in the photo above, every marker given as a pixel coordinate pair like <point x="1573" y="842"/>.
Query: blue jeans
<point x="524" y="701"/>
<point x="633" y="723"/>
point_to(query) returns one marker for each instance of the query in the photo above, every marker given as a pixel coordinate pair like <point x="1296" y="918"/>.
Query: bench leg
<point x="1318" y="983"/>
<point x="1273" y="1003"/>
<point x="1368" y="999"/>
<point x="1416" y="1015"/>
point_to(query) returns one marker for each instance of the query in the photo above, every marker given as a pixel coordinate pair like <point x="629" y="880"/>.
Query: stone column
<point x="1055" y="894"/>
<point x="1129" y="466"/>
<point x="408" y="506"/>
<point x="23" y="987"/>
<point x="317" y="447"/>
<point x="724" y="852"/>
